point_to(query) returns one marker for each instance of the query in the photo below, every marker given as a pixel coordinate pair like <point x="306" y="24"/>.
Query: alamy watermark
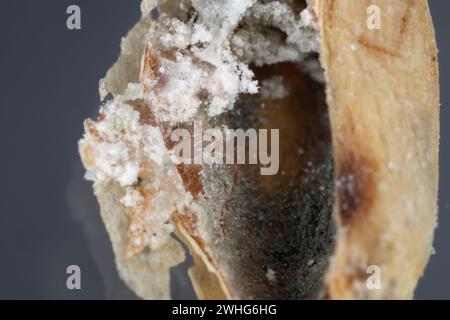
<point x="73" y="281"/>
<point x="73" y="21"/>
<point x="374" y="280"/>
<point x="227" y="146"/>
<point x="373" y="17"/>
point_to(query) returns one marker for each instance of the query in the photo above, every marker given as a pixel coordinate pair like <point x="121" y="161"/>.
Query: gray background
<point x="48" y="86"/>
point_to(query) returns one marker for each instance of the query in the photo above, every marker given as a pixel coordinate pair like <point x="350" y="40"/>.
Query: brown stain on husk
<point x="356" y="184"/>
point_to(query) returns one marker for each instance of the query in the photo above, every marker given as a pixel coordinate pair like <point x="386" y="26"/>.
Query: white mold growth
<point x="211" y="53"/>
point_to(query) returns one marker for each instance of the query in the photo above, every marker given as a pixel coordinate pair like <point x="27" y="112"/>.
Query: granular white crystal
<point x="210" y="58"/>
<point x="120" y="144"/>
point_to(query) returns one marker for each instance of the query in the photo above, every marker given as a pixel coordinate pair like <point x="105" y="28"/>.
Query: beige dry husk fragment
<point x="359" y="139"/>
